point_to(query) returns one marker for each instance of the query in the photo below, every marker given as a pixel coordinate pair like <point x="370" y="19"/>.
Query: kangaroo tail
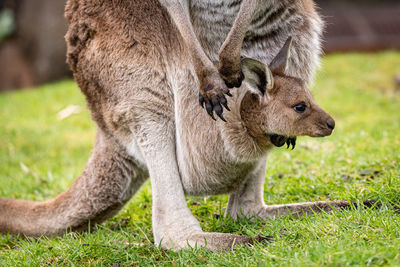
<point x="109" y="180"/>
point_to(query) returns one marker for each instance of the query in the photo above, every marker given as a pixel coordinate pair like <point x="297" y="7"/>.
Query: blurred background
<point x="32" y="47"/>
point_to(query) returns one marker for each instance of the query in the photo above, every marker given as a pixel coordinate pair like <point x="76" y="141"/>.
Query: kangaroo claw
<point x="212" y="93"/>
<point x="218" y="111"/>
<point x="209" y="109"/>
<point x="214" y="104"/>
<point x="201" y="100"/>
<point x="225" y="104"/>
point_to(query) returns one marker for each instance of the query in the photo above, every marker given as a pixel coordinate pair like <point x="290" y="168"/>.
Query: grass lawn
<point x="40" y="156"/>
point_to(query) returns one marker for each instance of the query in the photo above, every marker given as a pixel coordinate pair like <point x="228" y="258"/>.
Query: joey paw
<point x="212" y="96"/>
<point x="280" y="140"/>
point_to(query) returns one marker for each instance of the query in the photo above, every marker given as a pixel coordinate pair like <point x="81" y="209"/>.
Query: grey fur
<point x="141" y="65"/>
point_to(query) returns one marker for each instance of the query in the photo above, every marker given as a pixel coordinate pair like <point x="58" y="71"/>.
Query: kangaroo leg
<point x="212" y="87"/>
<point x="108" y="181"/>
<point x="248" y="201"/>
<point x="174" y="226"/>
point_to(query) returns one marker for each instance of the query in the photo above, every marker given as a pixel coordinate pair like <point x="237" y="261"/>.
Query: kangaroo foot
<point x="212" y="241"/>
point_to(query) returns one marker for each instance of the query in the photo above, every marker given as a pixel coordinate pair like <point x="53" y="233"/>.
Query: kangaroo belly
<point x="202" y="177"/>
<point x="205" y="165"/>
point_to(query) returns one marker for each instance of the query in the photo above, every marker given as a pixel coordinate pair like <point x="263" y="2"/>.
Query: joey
<point x="281" y="107"/>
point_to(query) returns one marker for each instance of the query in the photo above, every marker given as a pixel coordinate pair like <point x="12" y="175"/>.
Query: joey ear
<point x="257" y="75"/>
<point x="279" y="63"/>
<point x="250" y="102"/>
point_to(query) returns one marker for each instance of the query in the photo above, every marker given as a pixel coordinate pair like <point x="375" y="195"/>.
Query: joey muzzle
<point x="326" y="126"/>
<point x="330" y="123"/>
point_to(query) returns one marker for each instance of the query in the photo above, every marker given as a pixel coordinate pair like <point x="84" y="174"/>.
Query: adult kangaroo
<point x="143" y="66"/>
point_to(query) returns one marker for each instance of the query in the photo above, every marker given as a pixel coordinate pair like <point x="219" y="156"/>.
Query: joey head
<point x="281" y="107"/>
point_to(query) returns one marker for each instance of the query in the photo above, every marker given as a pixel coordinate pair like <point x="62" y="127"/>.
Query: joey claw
<point x="228" y="93"/>
<point x="293" y="142"/>
<point x="288" y="143"/>
<point x="201" y="100"/>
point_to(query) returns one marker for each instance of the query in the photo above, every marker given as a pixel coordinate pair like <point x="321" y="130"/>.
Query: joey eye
<point x="300" y="108"/>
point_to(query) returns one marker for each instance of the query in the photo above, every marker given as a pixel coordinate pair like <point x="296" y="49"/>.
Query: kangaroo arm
<point x="211" y="86"/>
<point x="179" y="12"/>
<point x="229" y="53"/>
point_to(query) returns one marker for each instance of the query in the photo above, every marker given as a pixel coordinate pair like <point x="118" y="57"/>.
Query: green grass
<point x="40" y="156"/>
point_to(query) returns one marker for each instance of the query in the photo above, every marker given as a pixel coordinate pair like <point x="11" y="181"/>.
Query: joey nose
<point x="330" y="123"/>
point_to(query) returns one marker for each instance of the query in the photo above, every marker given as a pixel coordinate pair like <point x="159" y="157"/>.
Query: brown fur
<point x="139" y="75"/>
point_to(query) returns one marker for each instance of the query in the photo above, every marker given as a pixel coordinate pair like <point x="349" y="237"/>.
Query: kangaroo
<point x="143" y="66"/>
